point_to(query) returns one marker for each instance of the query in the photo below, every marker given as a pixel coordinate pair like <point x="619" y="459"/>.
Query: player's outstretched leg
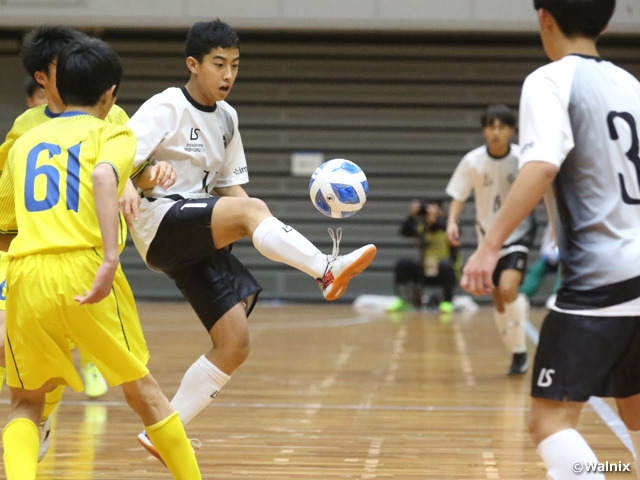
<point x="234" y="218"/>
<point x="163" y="427"/>
<point x="20" y="436"/>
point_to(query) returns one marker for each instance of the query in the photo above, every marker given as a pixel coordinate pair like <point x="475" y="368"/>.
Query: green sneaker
<point x="94" y="383"/>
<point x="398" y="305"/>
<point x="446" y="307"/>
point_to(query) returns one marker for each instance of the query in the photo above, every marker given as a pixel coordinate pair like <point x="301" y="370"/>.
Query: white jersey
<point x="201" y="143"/>
<point x="490" y="180"/>
<point x="582" y="114"/>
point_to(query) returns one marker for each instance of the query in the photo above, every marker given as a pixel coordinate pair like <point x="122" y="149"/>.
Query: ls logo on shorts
<point x="545" y="380"/>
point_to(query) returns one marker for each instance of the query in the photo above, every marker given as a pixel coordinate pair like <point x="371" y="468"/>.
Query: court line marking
<point x="340" y="322"/>
<point x="604" y="411"/>
<point x="465" y="361"/>
<point x="306" y="406"/>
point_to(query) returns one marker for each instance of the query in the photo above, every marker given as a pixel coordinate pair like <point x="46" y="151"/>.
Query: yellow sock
<point x="21" y="443"/>
<point x="169" y="438"/>
<point x="51" y="401"/>
<point x="3" y="371"/>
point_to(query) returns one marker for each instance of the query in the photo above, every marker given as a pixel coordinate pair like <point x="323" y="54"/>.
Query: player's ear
<point x="192" y="64"/>
<point x="40" y="77"/>
<point x="546" y="19"/>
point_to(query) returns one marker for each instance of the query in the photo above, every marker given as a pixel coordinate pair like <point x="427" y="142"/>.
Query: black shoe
<point x="519" y="364"/>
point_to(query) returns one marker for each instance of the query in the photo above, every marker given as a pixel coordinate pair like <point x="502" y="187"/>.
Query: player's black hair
<point x="502" y="113"/>
<point x="205" y="36"/>
<point x="42" y="45"/>
<point x="586" y="18"/>
<point x="86" y="69"/>
<point x="30" y="86"/>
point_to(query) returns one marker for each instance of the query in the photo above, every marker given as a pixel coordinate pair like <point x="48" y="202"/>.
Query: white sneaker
<point x="342" y="268"/>
<point x="144" y="440"/>
<point x="44" y="430"/>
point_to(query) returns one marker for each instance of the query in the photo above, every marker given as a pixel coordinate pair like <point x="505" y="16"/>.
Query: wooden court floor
<point x="327" y="393"/>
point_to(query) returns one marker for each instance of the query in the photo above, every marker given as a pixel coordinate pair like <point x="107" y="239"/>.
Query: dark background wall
<point x="405" y="108"/>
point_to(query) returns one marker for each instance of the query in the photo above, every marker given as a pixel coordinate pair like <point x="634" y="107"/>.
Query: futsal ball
<point x="338" y="188"/>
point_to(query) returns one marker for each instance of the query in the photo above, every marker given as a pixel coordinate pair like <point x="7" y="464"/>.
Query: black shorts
<point x="213" y="281"/>
<point x="511" y="261"/>
<point x="580" y="356"/>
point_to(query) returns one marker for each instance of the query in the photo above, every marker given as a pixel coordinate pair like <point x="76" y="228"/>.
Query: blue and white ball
<point x="338" y="188"/>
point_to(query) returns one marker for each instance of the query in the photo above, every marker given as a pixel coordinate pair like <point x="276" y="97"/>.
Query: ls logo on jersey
<point x="545" y="380"/>
<point x="195" y="134"/>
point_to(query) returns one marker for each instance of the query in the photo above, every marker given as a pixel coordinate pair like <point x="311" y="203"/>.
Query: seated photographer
<point x="439" y="263"/>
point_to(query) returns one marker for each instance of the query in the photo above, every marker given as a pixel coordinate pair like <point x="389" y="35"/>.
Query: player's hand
<point x="163" y="175"/>
<point x="478" y="272"/>
<point x="101" y="287"/>
<point x="129" y="203"/>
<point x="453" y="234"/>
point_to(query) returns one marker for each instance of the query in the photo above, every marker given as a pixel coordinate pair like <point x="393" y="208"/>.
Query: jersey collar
<point x="50" y="114"/>
<point x="499" y="158"/>
<point x="588" y="57"/>
<point x="72" y="114"/>
<point x="198" y="106"/>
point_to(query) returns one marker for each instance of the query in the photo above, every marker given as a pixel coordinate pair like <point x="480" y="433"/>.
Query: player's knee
<point x="257" y="209"/>
<point x="240" y="351"/>
<point x="508" y="292"/>
<point x="142" y="394"/>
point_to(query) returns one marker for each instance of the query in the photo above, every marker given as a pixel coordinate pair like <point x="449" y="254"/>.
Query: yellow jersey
<point x="46" y="190"/>
<point x="39" y="115"/>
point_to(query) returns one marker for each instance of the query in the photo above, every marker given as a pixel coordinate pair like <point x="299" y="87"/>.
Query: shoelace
<point x="336" y="237"/>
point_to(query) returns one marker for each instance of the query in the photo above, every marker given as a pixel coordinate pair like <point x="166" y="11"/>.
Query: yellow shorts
<point x="4" y="263"/>
<point x="42" y="317"/>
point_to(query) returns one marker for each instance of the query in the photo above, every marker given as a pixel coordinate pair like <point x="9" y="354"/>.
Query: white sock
<point x="502" y="327"/>
<point x="282" y="243"/>
<point x="562" y="450"/>
<point x="200" y="385"/>
<point x="635" y="439"/>
<point x="515" y="316"/>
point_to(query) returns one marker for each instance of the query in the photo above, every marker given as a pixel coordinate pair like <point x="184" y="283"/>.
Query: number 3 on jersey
<point x="52" y="176"/>
<point x="633" y="153"/>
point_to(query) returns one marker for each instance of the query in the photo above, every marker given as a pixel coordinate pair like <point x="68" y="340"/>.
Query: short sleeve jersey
<point x="582" y="114"/>
<point x="489" y="179"/>
<point x="201" y="143"/>
<point x="46" y="191"/>
<point x="39" y="115"/>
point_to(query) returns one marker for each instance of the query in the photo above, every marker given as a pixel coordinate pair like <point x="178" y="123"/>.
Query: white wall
<point x="473" y="15"/>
